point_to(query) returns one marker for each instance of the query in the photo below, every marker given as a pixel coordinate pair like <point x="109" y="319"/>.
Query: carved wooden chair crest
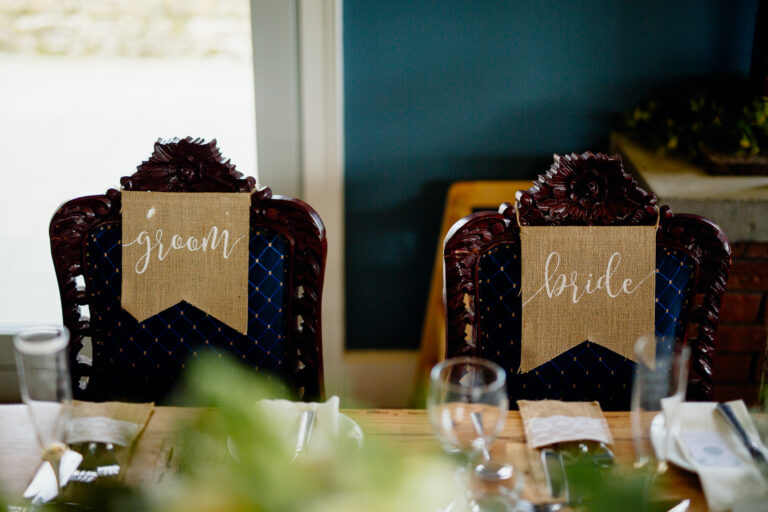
<point x="140" y="361"/>
<point x="482" y="267"/>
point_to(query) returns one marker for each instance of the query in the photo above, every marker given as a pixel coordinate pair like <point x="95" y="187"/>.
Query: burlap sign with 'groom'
<point x="186" y="246"/>
<point x="585" y="283"/>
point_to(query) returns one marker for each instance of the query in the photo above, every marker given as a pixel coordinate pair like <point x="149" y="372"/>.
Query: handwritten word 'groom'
<point x="191" y="244"/>
<point x="555" y="285"/>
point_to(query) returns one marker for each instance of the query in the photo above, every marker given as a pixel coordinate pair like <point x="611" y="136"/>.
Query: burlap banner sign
<point x="584" y="283"/>
<point x="186" y="246"/>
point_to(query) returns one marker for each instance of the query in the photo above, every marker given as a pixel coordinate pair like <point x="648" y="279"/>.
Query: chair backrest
<point x="463" y="198"/>
<point x="140" y="361"/>
<point x="482" y="263"/>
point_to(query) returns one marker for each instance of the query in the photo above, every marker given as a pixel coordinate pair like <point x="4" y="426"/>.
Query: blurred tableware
<point x="661" y="377"/>
<point x="752" y="447"/>
<point x="306" y="422"/>
<point x="554" y="471"/>
<point x="44" y="379"/>
<point x="670" y="451"/>
<point x="727" y="472"/>
<point x="467" y="406"/>
<point x="314" y="429"/>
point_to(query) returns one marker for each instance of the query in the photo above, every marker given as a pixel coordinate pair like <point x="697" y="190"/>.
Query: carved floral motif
<point x="586" y="189"/>
<point x="589" y="189"/>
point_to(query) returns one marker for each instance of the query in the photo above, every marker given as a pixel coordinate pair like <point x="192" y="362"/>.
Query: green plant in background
<point x="721" y="114"/>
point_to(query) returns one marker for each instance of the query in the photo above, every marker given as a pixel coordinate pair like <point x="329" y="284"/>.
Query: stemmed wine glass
<point x="44" y="379"/>
<point x="467" y="407"/>
<point x="659" y="387"/>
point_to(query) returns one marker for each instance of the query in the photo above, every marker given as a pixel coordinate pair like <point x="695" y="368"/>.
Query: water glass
<point x="43" y="367"/>
<point x="467" y="403"/>
<point x="659" y="387"/>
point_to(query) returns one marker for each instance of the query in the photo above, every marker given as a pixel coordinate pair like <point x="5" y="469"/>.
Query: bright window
<point x="86" y="90"/>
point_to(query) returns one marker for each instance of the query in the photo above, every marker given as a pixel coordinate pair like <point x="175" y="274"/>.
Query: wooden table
<point x="408" y="428"/>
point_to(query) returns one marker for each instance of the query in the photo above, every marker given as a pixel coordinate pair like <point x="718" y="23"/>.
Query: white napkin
<point x="287" y="415"/>
<point x="42" y="488"/>
<point x="726" y="471"/>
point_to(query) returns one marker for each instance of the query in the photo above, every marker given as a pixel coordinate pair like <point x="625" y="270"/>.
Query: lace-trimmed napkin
<point x="107" y="422"/>
<point x="552" y="421"/>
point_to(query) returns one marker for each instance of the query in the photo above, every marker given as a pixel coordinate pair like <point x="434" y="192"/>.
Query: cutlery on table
<point x="109" y="465"/>
<point x="477" y="423"/>
<point x="554" y="471"/>
<point x="306" y="422"/>
<point x="487" y="469"/>
<point x="754" y="450"/>
<point x="555" y="462"/>
<point x="99" y="460"/>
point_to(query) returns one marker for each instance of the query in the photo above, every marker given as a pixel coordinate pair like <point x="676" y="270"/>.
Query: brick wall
<point x="740" y="350"/>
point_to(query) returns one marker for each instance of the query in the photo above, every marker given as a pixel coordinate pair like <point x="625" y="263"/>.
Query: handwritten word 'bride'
<point x="191" y="244"/>
<point x="554" y="286"/>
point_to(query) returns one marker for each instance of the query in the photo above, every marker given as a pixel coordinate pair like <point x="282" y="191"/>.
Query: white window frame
<point x="299" y="82"/>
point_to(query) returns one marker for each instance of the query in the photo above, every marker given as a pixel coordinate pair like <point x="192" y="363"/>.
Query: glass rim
<point x="640" y="349"/>
<point x="56" y="339"/>
<point x="499" y="382"/>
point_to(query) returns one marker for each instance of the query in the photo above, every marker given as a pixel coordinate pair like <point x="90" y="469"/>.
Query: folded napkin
<point x="43" y="488"/>
<point x="287" y="416"/>
<point x="107" y="422"/>
<point x="727" y="473"/>
<point x="552" y="421"/>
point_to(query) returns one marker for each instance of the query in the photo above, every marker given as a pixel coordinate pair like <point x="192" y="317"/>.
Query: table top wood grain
<point x="406" y="428"/>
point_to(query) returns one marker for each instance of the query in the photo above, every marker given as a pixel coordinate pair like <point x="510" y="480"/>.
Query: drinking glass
<point x="44" y="379"/>
<point x="659" y="387"/>
<point x="467" y="407"/>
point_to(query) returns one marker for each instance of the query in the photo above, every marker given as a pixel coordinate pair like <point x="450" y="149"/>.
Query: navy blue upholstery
<point x="141" y="360"/>
<point x="586" y="371"/>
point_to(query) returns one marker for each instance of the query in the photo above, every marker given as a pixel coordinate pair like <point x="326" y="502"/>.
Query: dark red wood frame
<point x="193" y="165"/>
<point x="579" y="190"/>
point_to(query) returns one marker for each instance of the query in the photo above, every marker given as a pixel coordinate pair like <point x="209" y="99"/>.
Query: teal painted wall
<point x="439" y="91"/>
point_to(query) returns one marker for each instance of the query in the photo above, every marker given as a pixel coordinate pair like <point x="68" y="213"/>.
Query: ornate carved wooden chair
<point x="482" y="278"/>
<point x="141" y="360"/>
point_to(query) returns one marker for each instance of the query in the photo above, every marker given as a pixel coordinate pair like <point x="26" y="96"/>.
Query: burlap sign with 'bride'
<point x="186" y="246"/>
<point x="585" y="283"/>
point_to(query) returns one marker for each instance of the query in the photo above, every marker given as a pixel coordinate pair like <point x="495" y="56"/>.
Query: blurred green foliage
<point x="235" y="458"/>
<point x="601" y="489"/>
<point x="724" y="113"/>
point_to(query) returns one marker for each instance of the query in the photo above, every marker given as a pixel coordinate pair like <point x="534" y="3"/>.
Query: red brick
<point x="740" y="307"/>
<point x="757" y="250"/>
<point x="741" y="338"/>
<point x="732" y="368"/>
<point x="748" y="275"/>
<point x="739" y="249"/>
<point x="725" y="392"/>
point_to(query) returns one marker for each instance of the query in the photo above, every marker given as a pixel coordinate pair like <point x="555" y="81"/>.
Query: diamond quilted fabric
<point x="141" y="361"/>
<point x="586" y="371"/>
